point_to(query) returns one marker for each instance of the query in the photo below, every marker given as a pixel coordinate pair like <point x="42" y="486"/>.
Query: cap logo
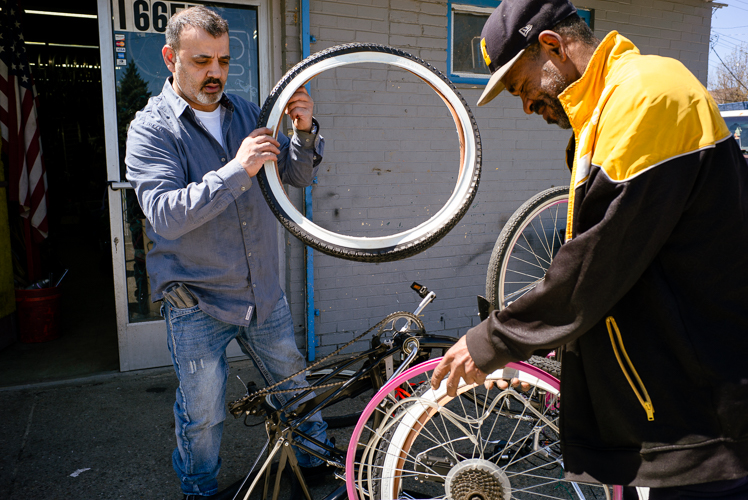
<point x="485" y="52"/>
<point x="524" y="31"/>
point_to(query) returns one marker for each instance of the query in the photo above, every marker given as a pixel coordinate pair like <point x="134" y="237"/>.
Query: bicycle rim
<point x="482" y="444"/>
<point x="526" y="247"/>
<point x="384" y="248"/>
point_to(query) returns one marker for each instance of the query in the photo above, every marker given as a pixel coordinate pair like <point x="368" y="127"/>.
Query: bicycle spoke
<point x="529" y="249"/>
<point x="510" y="438"/>
<point x="521" y="291"/>
<point x="434" y="440"/>
<point x="449" y="438"/>
<point x="535" y="494"/>
<point x="540" y="267"/>
<point x="413" y="459"/>
<point x="555" y="233"/>
<point x="543" y="236"/>
<point x="478" y="427"/>
<point x="493" y="426"/>
<point x="430" y="444"/>
<point x="527" y="246"/>
<point x="532" y="252"/>
<point x="464" y="411"/>
<point x="520" y="273"/>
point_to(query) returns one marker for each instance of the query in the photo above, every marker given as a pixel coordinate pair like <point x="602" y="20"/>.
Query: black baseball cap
<point x="513" y="26"/>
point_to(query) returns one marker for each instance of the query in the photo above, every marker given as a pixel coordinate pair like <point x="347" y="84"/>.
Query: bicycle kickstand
<point x="287" y="454"/>
<point x="287" y="457"/>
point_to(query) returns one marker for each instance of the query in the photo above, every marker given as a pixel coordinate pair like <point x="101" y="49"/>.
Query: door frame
<point x="142" y="345"/>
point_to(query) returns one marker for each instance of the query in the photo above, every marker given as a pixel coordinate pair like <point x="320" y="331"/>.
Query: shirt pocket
<point x="627" y="367"/>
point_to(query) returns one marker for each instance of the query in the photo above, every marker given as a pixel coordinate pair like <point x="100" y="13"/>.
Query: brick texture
<point x="391" y="157"/>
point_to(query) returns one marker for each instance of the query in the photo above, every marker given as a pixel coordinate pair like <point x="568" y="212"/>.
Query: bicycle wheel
<point x="526" y="246"/>
<point x="497" y="444"/>
<point x="384" y="248"/>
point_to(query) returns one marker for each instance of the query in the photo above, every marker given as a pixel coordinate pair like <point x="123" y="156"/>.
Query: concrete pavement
<point x="111" y="437"/>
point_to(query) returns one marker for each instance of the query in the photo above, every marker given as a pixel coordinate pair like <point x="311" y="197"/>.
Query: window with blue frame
<point x="466" y="19"/>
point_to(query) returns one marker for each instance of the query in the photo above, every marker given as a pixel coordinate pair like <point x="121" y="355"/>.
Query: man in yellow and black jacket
<point x="649" y="294"/>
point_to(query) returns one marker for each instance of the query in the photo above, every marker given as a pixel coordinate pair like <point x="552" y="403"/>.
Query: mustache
<point x="211" y="81"/>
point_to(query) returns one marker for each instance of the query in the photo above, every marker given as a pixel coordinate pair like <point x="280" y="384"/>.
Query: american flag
<point x="18" y="121"/>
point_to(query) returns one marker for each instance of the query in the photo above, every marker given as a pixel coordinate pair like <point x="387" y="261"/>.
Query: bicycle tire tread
<point x="507" y="234"/>
<point x="379" y="254"/>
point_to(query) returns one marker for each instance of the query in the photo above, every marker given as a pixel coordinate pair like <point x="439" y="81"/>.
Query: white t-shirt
<point x="212" y="121"/>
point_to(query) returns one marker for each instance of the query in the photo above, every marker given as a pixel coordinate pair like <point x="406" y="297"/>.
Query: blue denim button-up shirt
<point x="210" y="225"/>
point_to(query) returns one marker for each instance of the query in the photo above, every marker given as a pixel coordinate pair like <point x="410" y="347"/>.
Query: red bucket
<point x="38" y="314"/>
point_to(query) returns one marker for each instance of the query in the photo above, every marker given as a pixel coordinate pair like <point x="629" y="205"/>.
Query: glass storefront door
<point x="133" y="70"/>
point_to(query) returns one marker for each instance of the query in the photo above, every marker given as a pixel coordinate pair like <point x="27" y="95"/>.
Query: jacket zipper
<point x="618" y="349"/>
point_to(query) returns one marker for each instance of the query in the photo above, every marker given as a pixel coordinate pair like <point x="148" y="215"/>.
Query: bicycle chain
<point x="267" y="391"/>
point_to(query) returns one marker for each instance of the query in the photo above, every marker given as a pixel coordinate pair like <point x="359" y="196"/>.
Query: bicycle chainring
<point x="400" y="323"/>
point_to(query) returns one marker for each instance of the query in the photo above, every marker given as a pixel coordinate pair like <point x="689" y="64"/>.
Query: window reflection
<point x="140" y="73"/>
<point x="466" y="55"/>
<point x="137" y="245"/>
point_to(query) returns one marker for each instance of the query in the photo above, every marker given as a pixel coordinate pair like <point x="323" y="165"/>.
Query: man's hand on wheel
<point x="503" y="384"/>
<point x="458" y="362"/>
<point x="256" y="149"/>
<point x="301" y="108"/>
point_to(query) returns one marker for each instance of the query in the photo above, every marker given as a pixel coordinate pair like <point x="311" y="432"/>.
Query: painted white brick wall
<point x="390" y="141"/>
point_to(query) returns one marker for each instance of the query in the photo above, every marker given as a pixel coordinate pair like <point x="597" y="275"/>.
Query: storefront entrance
<point x="95" y="64"/>
<point x="133" y="70"/>
<point x="62" y="45"/>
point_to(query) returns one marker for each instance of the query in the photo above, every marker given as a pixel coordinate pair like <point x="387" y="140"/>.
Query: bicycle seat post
<point x="425" y="294"/>
<point x="426" y="301"/>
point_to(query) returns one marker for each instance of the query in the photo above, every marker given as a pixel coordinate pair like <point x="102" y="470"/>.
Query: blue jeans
<point x="197" y="343"/>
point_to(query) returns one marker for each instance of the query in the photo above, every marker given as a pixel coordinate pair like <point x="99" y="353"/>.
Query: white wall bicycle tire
<point x="384" y="248"/>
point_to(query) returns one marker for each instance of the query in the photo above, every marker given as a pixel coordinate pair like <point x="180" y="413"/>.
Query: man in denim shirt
<point x="191" y="155"/>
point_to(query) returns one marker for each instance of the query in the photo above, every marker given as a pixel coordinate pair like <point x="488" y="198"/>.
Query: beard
<point x="195" y="90"/>
<point x="205" y="98"/>
<point x="552" y="84"/>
